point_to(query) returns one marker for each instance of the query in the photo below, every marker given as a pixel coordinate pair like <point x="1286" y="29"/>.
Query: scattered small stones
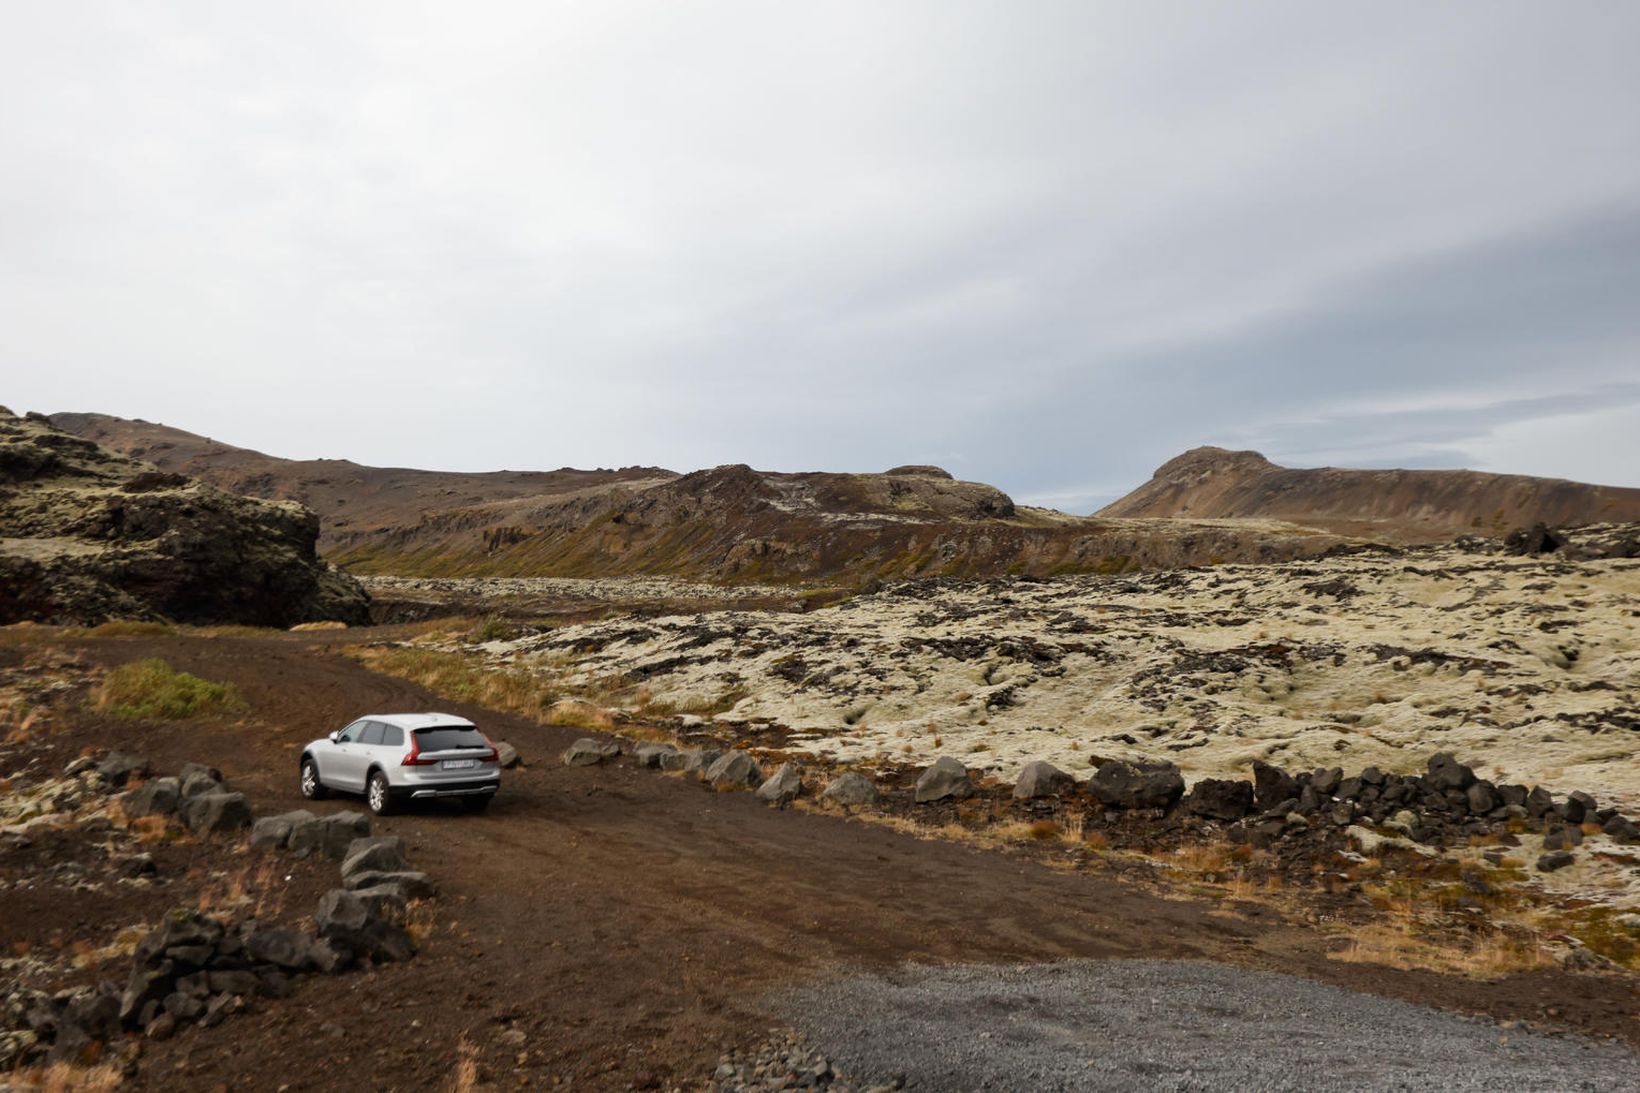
<point x="192" y="968"/>
<point x="783" y="1061"/>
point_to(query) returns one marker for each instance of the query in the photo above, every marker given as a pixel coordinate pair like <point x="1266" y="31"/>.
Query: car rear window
<point x="446" y="737"/>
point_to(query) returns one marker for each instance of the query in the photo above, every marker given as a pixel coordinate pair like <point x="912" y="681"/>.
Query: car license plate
<point x="459" y="764"/>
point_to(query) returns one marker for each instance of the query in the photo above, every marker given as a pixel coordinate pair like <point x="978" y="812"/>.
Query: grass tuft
<point x="152" y="690"/>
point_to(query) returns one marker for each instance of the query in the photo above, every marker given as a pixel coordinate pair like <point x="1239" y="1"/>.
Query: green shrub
<point x="152" y="690"/>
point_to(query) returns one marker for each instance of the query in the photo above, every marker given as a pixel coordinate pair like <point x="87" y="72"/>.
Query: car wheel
<point x="477" y="804"/>
<point x="312" y="788"/>
<point x="376" y="794"/>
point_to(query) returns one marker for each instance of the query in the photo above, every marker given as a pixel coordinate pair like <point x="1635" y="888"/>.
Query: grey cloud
<point x="1050" y="246"/>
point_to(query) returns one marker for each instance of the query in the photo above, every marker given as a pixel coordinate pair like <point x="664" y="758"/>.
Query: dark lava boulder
<point x="1272" y="785"/>
<point x="87" y="536"/>
<point x="1126" y="785"/>
<point x="1219" y="799"/>
<point x="1539" y="539"/>
<point x="1445" y="772"/>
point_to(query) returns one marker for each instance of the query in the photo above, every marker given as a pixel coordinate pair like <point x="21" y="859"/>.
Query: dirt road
<point x="628" y="924"/>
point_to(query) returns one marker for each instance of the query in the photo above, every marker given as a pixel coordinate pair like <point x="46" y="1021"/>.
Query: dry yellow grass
<point x="575" y="713"/>
<point x="464" y="1079"/>
<point x="1398" y="942"/>
<point x="65" y="1077"/>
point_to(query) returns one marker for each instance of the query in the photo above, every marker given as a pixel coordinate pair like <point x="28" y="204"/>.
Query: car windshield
<point x="445" y="737"/>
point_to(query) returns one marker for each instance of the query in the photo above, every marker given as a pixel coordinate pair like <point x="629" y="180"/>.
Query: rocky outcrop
<point x="87" y="535"/>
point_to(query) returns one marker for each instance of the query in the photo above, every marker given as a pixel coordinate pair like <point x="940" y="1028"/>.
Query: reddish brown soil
<point x="627" y="922"/>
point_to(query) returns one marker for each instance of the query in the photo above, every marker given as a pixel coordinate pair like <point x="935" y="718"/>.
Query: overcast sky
<point x="1045" y="245"/>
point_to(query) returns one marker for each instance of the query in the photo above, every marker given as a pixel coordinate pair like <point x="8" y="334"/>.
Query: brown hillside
<point x="348" y="497"/>
<point x="1215" y="483"/>
<point x="728" y="523"/>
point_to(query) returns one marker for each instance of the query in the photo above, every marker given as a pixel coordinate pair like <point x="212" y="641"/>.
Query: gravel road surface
<point x="1172" y="1025"/>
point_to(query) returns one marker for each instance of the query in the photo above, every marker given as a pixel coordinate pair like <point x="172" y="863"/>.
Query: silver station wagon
<point x="392" y="758"/>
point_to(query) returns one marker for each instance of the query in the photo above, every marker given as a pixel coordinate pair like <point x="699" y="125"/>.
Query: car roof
<point x="413" y="721"/>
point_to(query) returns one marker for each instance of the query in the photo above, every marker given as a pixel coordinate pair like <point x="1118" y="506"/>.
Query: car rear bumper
<point x="450" y="789"/>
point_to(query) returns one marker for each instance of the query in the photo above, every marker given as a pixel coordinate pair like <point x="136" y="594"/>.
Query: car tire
<point x="378" y="795"/>
<point x="478" y="804"/>
<point x="312" y="788"/>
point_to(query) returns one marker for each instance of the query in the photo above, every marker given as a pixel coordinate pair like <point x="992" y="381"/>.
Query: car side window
<point x="350" y="735"/>
<point x="392" y="736"/>
<point x="372" y="733"/>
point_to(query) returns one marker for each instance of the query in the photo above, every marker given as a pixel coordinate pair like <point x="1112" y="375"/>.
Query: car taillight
<point x="414" y="759"/>
<point x="493" y="756"/>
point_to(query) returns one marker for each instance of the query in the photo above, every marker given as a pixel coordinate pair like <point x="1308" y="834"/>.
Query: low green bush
<point x="152" y="690"/>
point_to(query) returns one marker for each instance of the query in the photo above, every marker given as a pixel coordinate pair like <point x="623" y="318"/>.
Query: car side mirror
<point x="335" y="736"/>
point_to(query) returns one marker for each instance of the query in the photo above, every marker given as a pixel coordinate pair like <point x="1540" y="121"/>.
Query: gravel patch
<point x="1171" y="1025"/>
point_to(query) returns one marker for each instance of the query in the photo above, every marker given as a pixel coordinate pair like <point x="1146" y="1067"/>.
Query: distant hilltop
<point x="1217" y="483"/>
<point x="730" y="523"/>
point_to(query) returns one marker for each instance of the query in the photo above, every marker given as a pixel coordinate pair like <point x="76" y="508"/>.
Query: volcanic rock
<point x="214" y="812"/>
<point x="946" y="778"/>
<point x="1272" y="785"/>
<point x="1041" y="778"/>
<point x="851" y="789"/>
<point x="1126" y="785"/>
<point x="77" y="547"/>
<point x="734" y="770"/>
<point x="587" y="752"/>
<point x="1226" y="799"/>
<point x="782" y="786"/>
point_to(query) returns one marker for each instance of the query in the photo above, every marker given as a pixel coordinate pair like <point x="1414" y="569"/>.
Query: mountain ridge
<point x="1218" y="483"/>
<point x="727" y="523"/>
